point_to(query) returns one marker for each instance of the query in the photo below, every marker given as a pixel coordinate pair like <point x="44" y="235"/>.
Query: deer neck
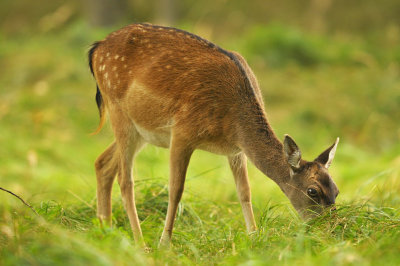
<point x="264" y="149"/>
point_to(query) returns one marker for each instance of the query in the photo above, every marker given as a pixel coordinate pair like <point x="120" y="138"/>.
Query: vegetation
<point x="316" y="87"/>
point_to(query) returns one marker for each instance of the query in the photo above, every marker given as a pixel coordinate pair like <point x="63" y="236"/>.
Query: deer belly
<point x="159" y="138"/>
<point x="222" y="148"/>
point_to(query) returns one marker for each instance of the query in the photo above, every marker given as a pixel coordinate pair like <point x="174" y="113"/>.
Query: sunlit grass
<point x="206" y="232"/>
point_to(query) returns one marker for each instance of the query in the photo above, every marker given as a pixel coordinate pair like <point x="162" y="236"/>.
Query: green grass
<point x="47" y="111"/>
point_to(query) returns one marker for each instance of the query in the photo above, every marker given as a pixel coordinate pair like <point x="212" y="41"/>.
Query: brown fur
<point x="174" y="89"/>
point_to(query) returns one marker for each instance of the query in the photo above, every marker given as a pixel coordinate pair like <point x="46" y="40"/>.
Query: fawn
<point x="173" y="89"/>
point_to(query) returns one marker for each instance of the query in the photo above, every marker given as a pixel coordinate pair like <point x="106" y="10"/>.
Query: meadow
<point x="315" y="88"/>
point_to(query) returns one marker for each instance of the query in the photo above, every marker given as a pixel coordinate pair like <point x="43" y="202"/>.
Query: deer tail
<point x="99" y="97"/>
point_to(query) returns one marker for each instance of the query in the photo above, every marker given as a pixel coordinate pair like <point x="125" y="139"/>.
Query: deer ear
<point x="292" y="152"/>
<point x="327" y="156"/>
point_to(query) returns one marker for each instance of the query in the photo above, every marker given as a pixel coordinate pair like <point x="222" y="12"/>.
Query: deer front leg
<point x="179" y="159"/>
<point x="238" y="164"/>
<point x="106" y="169"/>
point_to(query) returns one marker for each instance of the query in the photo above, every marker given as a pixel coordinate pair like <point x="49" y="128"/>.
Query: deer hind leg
<point x="106" y="167"/>
<point x="128" y="143"/>
<point x="238" y="164"/>
<point x="180" y="155"/>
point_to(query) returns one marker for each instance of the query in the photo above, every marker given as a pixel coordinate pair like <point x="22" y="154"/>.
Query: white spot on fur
<point x="116" y="57"/>
<point x="123" y="58"/>
<point x="108" y="54"/>
<point x="125" y="65"/>
<point x="114" y="68"/>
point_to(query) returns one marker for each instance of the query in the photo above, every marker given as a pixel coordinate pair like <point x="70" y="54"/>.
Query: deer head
<point x="310" y="188"/>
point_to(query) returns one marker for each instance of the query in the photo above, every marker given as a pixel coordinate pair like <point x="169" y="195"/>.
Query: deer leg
<point x="106" y="167"/>
<point x="180" y="155"/>
<point x="129" y="143"/>
<point x="126" y="184"/>
<point x="238" y="164"/>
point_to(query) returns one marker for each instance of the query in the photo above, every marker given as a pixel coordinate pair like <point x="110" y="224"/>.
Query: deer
<point x="173" y="89"/>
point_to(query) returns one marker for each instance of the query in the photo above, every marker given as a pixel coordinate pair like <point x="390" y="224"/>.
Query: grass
<point x="361" y="232"/>
<point x="47" y="110"/>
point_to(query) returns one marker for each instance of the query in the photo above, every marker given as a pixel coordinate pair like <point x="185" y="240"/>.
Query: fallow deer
<point x="176" y="90"/>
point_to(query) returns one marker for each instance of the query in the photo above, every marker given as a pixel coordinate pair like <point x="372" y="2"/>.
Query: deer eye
<point x="312" y="192"/>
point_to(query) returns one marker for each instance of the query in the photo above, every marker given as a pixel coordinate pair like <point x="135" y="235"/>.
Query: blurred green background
<point x="327" y="68"/>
